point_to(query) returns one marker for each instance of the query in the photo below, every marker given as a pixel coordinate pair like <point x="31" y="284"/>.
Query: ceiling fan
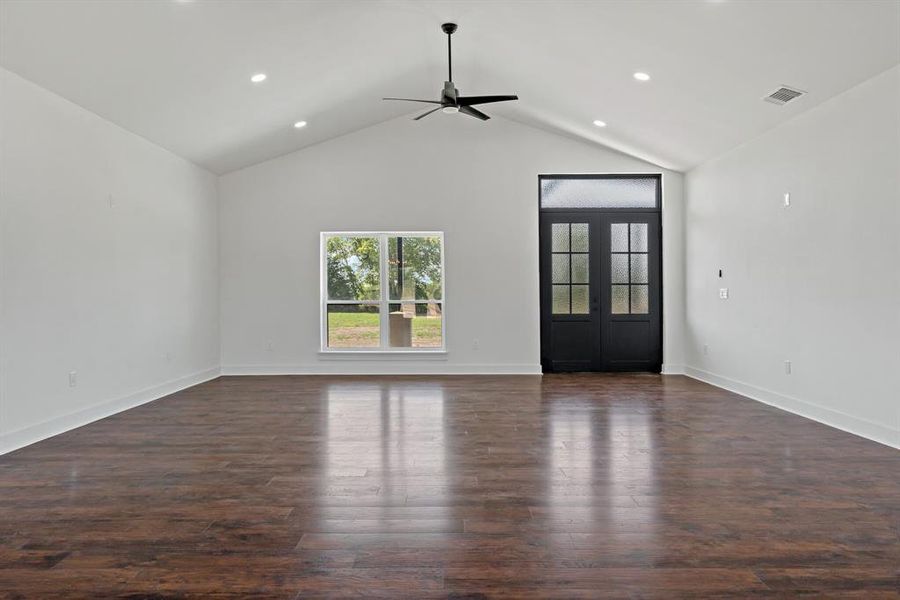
<point x="451" y="101"/>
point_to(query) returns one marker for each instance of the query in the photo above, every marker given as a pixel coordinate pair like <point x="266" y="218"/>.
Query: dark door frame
<point x="545" y="324"/>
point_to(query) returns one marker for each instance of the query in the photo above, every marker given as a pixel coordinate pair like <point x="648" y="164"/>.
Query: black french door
<point x="601" y="290"/>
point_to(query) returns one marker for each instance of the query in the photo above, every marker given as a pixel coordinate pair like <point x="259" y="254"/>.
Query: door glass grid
<point x="629" y="272"/>
<point x="570" y="268"/>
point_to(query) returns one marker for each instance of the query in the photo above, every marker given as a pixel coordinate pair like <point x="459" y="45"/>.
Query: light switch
<point x="787" y="199"/>
<point x="723" y="293"/>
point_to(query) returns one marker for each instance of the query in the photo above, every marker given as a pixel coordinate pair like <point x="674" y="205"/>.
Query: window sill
<point x="382" y="354"/>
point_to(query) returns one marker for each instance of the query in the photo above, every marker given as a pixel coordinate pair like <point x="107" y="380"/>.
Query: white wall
<point x="108" y="267"/>
<point x="476" y="181"/>
<point x="817" y="283"/>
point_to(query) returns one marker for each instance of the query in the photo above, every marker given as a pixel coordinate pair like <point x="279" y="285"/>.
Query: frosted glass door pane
<point x="580" y="268"/>
<point x="560" y="237"/>
<point x="638" y="268"/>
<point x="638" y="237"/>
<point x="618" y="237"/>
<point x="560" y="268"/>
<point x="619" y="268"/>
<point x="640" y="302"/>
<point x="620" y="299"/>
<point x="560" y="299"/>
<point x="579" y="237"/>
<point x="580" y="300"/>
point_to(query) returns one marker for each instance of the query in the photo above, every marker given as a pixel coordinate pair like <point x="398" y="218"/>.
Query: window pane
<point x="580" y="268"/>
<point x="620" y="299"/>
<point x="618" y="237"/>
<point x="639" y="268"/>
<point x="353" y="326"/>
<point x="600" y="192"/>
<point x="619" y="268"/>
<point x="640" y="303"/>
<point x="353" y="266"/>
<point x="638" y="237"/>
<point x="579" y="237"/>
<point x="560" y="237"/>
<point x="415" y="325"/>
<point x="414" y="265"/>
<point x="580" y="300"/>
<point x="560" y="299"/>
<point x="560" y="268"/>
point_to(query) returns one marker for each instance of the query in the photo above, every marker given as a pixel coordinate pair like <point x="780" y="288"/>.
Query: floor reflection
<point x="385" y="447"/>
<point x="633" y="470"/>
<point x="572" y="466"/>
<point x="602" y="472"/>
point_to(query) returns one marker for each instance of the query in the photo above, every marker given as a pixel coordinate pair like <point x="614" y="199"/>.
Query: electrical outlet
<point x="111" y="199"/>
<point x="475" y="344"/>
<point x="723" y="293"/>
<point x="705" y="349"/>
<point x="270" y="347"/>
<point x="787" y="367"/>
<point x="73" y="378"/>
<point x="168" y="357"/>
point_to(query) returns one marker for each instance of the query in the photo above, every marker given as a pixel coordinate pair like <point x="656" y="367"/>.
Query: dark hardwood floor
<point x="570" y="486"/>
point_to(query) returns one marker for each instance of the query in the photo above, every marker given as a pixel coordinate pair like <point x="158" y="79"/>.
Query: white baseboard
<point x="35" y="433"/>
<point x="827" y="416"/>
<point x="383" y="368"/>
<point x="673" y="370"/>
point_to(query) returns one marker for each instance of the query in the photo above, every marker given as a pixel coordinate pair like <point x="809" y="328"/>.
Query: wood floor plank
<point x="459" y="487"/>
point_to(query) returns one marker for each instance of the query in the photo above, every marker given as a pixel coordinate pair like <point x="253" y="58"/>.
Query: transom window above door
<point x="383" y="291"/>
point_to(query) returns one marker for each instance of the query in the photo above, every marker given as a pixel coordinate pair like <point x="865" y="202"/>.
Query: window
<point x="629" y="269"/>
<point x="383" y="291"/>
<point x="570" y="268"/>
<point x="600" y="191"/>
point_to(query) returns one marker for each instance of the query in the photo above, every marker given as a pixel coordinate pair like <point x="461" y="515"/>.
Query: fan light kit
<point x="299" y="124"/>
<point x="258" y="78"/>
<point x="641" y="76"/>
<point x="450" y="101"/>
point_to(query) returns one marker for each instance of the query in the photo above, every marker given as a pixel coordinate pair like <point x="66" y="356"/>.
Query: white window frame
<point x="384" y="301"/>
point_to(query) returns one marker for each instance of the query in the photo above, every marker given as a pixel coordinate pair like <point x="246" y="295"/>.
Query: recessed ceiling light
<point x="599" y="123"/>
<point x="299" y="124"/>
<point x="641" y="76"/>
<point x="258" y="78"/>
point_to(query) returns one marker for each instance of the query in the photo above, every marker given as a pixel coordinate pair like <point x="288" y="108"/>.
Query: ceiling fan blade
<point x="470" y="100"/>
<point x="425" y="114"/>
<point x="414" y="100"/>
<point x="473" y="112"/>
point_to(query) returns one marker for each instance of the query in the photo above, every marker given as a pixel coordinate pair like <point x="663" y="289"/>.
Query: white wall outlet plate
<point x="73" y="378"/>
<point x="723" y="293"/>
<point x="787" y="367"/>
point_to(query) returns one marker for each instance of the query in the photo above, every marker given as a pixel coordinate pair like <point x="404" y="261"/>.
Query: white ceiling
<point x="177" y="72"/>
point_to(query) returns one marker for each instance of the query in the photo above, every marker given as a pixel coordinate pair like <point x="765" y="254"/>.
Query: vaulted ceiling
<point x="178" y="71"/>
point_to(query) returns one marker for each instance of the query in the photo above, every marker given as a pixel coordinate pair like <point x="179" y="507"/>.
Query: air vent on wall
<point x="783" y="95"/>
